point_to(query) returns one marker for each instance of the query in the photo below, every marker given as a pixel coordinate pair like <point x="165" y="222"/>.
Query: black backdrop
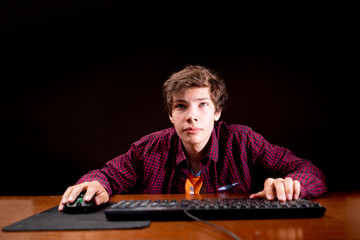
<point x="81" y="81"/>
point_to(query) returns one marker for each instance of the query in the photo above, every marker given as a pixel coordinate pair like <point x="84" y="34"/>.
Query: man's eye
<point x="203" y="104"/>
<point x="180" y="106"/>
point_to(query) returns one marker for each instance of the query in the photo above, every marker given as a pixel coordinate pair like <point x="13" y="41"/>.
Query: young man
<point x="200" y="154"/>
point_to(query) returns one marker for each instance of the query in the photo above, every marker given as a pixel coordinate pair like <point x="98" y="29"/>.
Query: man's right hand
<point x="92" y="189"/>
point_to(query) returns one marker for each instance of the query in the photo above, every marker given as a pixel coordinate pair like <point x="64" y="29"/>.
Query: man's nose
<point x="192" y="115"/>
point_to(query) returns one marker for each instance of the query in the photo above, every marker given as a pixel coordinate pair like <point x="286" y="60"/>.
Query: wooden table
<point x="341" y="221"/>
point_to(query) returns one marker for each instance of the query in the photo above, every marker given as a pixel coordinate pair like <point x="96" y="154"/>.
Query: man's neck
<point x="194" y="156"/>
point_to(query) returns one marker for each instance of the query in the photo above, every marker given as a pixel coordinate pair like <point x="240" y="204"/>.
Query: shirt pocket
<point x="236" y="188"/>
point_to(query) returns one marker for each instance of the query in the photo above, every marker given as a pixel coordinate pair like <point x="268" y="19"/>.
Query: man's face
<point x="193" y="115"/>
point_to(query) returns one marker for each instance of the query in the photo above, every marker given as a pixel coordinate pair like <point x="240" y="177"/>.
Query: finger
<point x="102" y="198"/>
<point x="61" y="205"/>
<point x="67" y="194"/>
<point x="91" y="191"/>
<point x="280" y="189"/>
<point x="297" y="189"/>
<point x="97" y="190"/>
<point x="65" y="198"/>
<point x="269" y="189"/>
<point x="289" y="188"/>
<point x="77" y="189"/>
<point x="71" y="193"/>
<point x="260" y="194"/>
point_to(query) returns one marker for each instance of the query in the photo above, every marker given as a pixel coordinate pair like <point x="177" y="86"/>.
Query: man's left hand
<point x="282" y="189"/>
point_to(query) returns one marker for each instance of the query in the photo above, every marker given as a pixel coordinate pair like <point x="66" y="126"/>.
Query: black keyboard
<point x="212" y="209"/>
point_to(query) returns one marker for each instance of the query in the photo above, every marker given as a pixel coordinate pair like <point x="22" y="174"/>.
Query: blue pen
<point x="226" y="187"/>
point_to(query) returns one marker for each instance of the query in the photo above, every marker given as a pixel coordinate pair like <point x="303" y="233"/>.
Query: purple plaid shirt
<point x="157" y="164"/>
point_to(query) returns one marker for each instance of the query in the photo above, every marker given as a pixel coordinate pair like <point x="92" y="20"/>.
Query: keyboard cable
<point x="231" y="234"/>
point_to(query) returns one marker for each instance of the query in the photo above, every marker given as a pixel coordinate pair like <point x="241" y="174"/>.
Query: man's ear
<point x="217" y="116"/>
<point x="171" y="119"/>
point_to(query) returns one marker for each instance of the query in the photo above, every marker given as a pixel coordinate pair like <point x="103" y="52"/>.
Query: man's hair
<point x="195" y="76"/>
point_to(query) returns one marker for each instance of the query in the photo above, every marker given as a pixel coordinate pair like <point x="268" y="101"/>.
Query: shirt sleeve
<point x="119" y="175"/>
<point x="283" y="163"/>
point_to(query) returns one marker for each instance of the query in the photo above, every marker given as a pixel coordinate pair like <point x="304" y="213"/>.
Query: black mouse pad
<point x="52" y="219"/>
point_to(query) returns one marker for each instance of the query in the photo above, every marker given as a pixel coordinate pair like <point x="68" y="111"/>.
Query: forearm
<point x="117" y="176"/>
<point x="283" y="163"/>
<point x="97" y="175"/>
<point x="311" y="179"/>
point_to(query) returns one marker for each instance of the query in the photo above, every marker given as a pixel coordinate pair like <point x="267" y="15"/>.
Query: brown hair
<point x="195" y="76"/>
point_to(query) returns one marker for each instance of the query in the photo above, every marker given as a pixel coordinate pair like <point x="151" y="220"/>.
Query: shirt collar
<point x="212" y="154"/>
<point x="180" y="155"/>
<point x="213" y="151"/>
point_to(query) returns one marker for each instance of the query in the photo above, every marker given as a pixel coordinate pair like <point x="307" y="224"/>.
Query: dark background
<point x="81" y="81"/>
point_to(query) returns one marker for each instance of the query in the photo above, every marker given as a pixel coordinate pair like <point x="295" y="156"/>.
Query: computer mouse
<point x="80" y="205"/>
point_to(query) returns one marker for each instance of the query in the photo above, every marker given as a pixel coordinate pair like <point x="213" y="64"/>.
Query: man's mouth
<point x="192" y="130"/>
